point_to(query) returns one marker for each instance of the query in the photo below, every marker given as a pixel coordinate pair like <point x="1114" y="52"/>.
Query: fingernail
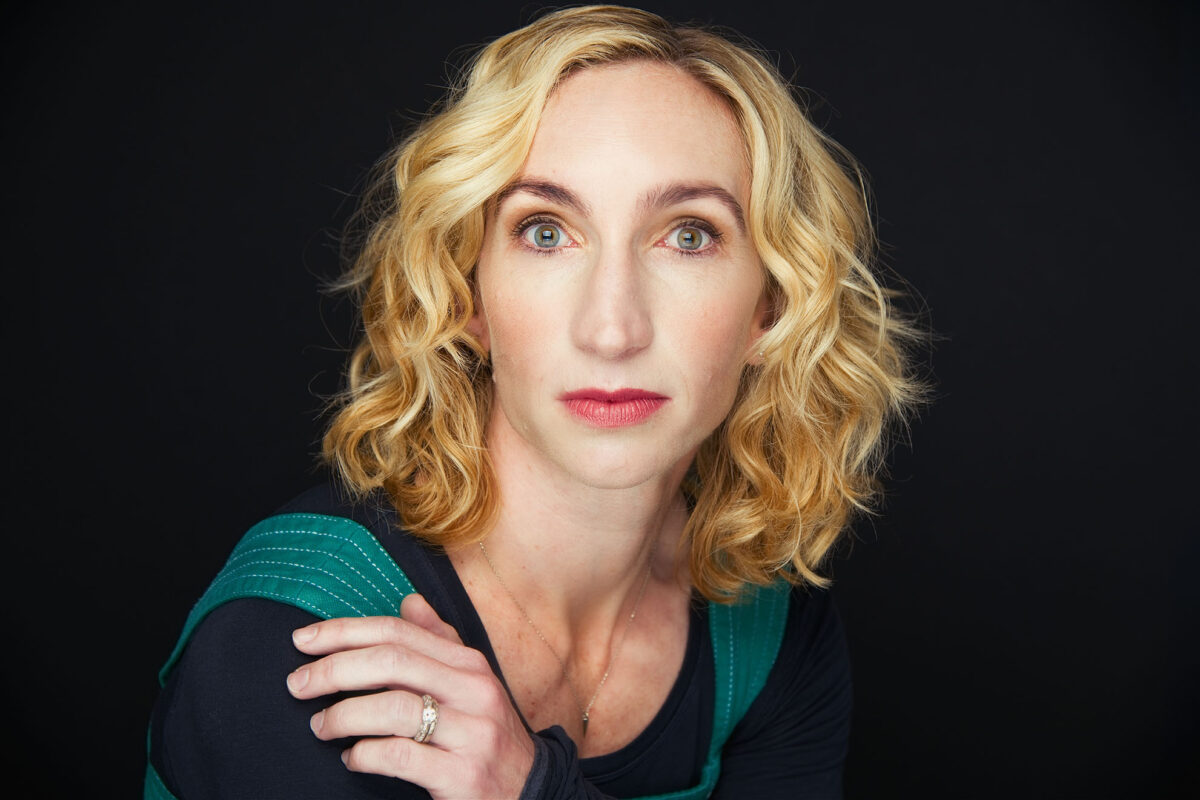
<point x="303" y="635"/>
<point x="317" y="722"/>
<point x="298" y="679"/>
<point x="345" y="756"/>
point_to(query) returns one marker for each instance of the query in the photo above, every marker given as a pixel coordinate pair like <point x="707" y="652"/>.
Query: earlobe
<point x="477" y="323"/>
<point x="762" y="321"/>
<point x="477" y="327"/>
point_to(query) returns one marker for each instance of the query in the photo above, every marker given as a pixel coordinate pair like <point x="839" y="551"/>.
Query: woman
<point x="623" y="352"/>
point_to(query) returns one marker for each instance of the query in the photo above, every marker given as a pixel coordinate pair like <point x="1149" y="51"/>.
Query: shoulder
<point x="797" y="730"/>
<point x="314" y="557"/>
<point x="224" y="724"/>
<point x="332" y="556"/>
<point x="814" y="637"/>
<point x="330" y="499"/>
<point x="375" y="527"/>
<point x="812" y="669"/>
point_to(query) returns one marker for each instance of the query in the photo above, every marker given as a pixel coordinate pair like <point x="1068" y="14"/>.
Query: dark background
<point x="1022" y="617"/>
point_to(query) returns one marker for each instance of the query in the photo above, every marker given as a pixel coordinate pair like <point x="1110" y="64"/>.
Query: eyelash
<point x="521" y="228"/>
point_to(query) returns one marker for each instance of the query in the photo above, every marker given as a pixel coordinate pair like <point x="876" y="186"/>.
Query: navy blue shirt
<point x="225" y="725"/>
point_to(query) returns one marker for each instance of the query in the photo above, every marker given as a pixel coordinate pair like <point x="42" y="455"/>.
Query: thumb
<point x="416" y="609"/>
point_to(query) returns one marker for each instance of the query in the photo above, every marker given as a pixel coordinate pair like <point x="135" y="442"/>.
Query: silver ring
<point x="429" y="719"/>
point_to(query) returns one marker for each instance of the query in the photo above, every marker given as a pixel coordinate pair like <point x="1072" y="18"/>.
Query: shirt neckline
<point x="475" y="635"/>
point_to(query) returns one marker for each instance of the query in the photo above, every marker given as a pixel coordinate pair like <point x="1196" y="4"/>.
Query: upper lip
<point x="614" y="396"/>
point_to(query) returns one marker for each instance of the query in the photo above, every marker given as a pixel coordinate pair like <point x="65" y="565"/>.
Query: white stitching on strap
<point x="729" y="699"/>
<point x="347" y="564"/>
<point x="370" y="560"/>
<point x="297" y="580"/>
<point x="318" y="569"/>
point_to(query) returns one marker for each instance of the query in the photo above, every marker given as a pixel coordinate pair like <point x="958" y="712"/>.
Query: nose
<point x="612" y="314"/>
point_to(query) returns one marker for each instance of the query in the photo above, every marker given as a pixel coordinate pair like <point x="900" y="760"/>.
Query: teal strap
<point x="154" y="788"/>
<point x="334" y="567"/>
<point x="329" y="566"/>
<point x="745" y="640"/>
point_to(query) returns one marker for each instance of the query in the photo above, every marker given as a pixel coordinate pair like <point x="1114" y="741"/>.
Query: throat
<point x="585" y="705"/>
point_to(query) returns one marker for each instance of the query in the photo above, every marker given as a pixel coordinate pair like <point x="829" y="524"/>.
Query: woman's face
<point x="619" y="293"/>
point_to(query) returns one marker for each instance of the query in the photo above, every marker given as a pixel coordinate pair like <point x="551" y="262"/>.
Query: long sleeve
<point x="556" y="774"/>
<point x="225" y="725"/>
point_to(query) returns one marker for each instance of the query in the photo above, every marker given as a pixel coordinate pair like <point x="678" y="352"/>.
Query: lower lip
<point x="620" y="414"/>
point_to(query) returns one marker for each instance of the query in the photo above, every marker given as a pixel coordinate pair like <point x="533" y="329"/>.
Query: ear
<point x="762" y="321"/>
<point x="477" y="325"/>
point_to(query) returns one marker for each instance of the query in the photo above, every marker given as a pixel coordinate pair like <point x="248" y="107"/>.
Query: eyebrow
<point x="675" y="193"/>
<point x="547" y="190"/>
<point x="660" y="197"/>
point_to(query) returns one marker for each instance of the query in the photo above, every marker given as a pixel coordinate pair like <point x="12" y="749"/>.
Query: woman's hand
<point x="479" y="749"/>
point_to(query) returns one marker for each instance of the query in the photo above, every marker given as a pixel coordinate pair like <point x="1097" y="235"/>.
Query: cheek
<point x="510" y="328"/>
<point x="513" y="334"/>
<point x="715" y="348"/>
<point x="519" y="329"/>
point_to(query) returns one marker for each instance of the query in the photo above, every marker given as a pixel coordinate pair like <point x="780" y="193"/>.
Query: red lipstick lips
<point x="617" y="409"/>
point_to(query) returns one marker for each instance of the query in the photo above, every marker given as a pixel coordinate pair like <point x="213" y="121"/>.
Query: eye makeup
<point x="556" y="237"/>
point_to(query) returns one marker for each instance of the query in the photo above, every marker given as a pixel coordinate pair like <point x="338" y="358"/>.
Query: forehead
<point x="636" y="122"/>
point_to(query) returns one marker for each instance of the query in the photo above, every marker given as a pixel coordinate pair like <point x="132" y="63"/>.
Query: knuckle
<point x="490" y="735"/>
<point x="391" y="627"/>
<point x="475" y="776"/>
<point x="476" y="661"/>
<point x="333" y="631"/>
<point x="392" y="658"/>
<point x="331" y="721"/>
<point x="397" y="753"/>
<point x="399" y="709"/>
<point x="382" y="658"/>
<point x="354" y="757"/>
<point x="479" y="687"/>
<point x="328" y="670"/>
<point x="492" y="699"/>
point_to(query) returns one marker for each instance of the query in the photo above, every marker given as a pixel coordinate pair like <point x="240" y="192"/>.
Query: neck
<point x="576" y="555"/>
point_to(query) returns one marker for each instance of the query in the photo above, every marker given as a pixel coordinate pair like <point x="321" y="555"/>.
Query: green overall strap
<point x="745" y="640"/>
<point x="328" y="566"/>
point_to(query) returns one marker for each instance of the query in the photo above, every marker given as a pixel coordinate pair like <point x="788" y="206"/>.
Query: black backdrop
<point x="1022" y="616"/>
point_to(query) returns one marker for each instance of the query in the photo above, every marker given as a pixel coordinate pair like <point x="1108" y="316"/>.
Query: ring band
<point x="429" y="719"/>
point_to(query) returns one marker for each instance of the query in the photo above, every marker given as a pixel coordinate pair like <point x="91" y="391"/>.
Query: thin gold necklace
<point x="584" y="710"/>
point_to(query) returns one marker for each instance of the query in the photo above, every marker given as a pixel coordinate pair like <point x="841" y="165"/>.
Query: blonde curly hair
<point x="774" y="486"/>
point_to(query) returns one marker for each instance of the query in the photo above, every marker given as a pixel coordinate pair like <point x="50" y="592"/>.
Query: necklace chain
<point x="584" y="710"/>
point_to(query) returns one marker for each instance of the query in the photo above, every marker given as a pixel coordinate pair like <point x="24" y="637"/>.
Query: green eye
<point x="545" y="235"/>
<point x="690" y="238"/>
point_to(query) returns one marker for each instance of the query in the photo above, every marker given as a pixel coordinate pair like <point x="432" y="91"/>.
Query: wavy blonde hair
<point x="774" y="486"/>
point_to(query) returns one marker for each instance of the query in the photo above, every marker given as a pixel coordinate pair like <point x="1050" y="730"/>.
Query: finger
<point x="387" y="666"/>
<point x="348" y="633"/>
<point x="429" y="767"/>
<point x="416" y="609"/>
<point x="396" y="713"/>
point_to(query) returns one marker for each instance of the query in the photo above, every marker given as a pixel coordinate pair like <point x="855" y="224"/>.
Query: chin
<point x="617" y="468"/>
